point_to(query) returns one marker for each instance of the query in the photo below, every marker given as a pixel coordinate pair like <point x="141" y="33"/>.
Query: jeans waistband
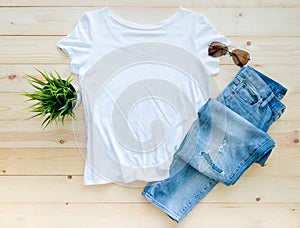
<point x="266" y="87"/>
<point x="278" y="89"/>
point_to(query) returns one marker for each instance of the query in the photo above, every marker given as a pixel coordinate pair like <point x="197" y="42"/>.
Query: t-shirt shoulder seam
<point x="95" y="11"/>
<point x="193" y="12"/>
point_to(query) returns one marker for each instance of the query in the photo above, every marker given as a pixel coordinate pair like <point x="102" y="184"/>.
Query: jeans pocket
<point x="247" y="94"/>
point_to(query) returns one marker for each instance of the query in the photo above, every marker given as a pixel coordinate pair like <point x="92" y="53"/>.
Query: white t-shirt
<point x="142" y="85"/>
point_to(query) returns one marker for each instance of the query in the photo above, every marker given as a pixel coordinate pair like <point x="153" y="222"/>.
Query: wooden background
<point x="41" y="171"/>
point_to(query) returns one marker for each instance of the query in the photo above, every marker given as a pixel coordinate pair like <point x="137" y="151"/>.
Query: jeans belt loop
<point x="266" y="100"/>
<point x="236" y="81"/>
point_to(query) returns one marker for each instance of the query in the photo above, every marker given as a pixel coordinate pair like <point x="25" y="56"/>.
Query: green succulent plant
<point x="55" y="97"/>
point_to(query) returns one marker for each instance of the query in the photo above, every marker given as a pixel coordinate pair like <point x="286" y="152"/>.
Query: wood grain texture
<point x="28" y="134"/>
<point x="13" y="76"/>
<point x="41" y="161"/>
<point x="41" y="172"/>
<point x="70" y="161"/>
<point x="14" y="106"/>
<point x="144" y="215"/>
<point x="43" y="50"/>
<point x="46" y="188"/>
<point x="60" y="21"/>
<point x="155" y="3"/>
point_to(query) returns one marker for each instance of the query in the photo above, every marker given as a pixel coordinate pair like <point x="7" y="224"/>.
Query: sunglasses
<point x="239" y="57"/>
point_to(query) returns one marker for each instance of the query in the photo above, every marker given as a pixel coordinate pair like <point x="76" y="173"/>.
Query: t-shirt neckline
<point x="135" y="25"/>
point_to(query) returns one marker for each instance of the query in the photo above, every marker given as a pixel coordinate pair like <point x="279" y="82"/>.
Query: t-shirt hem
<point x="149" y="179"/>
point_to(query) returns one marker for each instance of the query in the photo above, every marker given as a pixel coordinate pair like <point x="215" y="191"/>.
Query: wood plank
<point x="154" y="3"/>
<point x="279" y="163"/>
<point x="286" y="134"/>
<point x="13" y="77"/>
<point x="41" y="161"/>
<point x="61" y="20"/>
<point x="279" y="133"/>
<point x="41" y="176"/>
<point x="28" y="134"/>
<point x="145" y="215"/>
<point x="14" y="107"/>
<point x="44" y="161"/>
<point x="288" y="76"/>
<point x="62" y="189"/>
<point x="43" y="50"/>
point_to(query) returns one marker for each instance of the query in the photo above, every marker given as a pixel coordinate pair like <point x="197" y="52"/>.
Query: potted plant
<point x="55" y="98"/>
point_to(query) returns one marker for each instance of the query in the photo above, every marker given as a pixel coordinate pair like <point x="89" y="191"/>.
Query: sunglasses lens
<point x="217" y="49"/>
<point x="240" y="57"/>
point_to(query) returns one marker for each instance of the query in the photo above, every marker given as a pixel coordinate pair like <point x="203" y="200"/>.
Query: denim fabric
<point x="226" y="144"/>
<point x="227" y="138"/>
<point x="255" y="97"/>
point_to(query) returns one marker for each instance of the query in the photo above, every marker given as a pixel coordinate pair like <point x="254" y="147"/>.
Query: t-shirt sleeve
<point x="204" y="35"/>
<point x="77" y="44"/>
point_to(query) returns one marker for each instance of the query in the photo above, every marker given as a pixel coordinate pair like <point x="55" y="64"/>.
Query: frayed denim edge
<point x="170" y="213"/>
<point x="190" y="205"/>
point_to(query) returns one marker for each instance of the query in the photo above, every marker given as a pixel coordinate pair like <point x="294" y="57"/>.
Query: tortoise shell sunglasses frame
<point x="239" y="57"/>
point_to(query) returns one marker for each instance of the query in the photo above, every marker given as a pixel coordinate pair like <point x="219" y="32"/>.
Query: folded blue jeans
<point x="227" y="138"/>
